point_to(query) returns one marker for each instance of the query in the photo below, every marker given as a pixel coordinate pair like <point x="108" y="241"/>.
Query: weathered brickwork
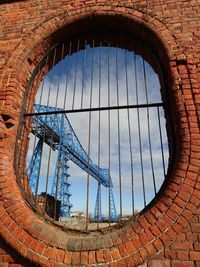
<point x="167" y="234"/>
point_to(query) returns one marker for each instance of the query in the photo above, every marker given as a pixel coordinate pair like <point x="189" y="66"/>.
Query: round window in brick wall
<point x="94" y="138"/>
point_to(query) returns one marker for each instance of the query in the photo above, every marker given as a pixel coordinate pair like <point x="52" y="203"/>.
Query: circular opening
<point x="94" y="146"/>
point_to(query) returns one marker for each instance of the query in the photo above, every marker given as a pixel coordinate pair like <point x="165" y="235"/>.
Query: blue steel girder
<point x="98" y="209"/>
<point x="33" y="170"/>
<point x="112" y="217"/>
<point x="60" y="188"/>
<point x="113" y="213"/>
<point x="52" y="127"/>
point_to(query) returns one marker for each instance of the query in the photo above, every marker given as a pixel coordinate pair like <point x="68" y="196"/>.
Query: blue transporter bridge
<point x="55" y="130"/>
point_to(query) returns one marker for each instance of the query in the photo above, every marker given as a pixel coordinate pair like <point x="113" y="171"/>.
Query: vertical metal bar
<point x="66" y="91"/>
<point x="148" y="126"/>
<point x="99" y="133"/>
<point x="67" y="74"/>
<point x="89" y="137"/>
<point x="83" y="72"/>
<point x="59" y="77"/>
<point x="50" y="148"/>
<point x="26" y="134"/>
<point x="25" y="143"/>
<point x="118" y="134"/>
<point x="75" y="74"/>
<point x="43" y="80"/>
<point x="50" y="80"/>
<point x="139" y="131"/>
<point x="34" y="142"/>
<point x="34" y="146"/>
<point x="56" y="195"/>
<point x="56" y="104"/>
<point x="109" y="204"/>
<point x="129" y="134"/>
<point x="40" y="101"/>
<point x="161" y="141"/>
<point x="47" y="180"/>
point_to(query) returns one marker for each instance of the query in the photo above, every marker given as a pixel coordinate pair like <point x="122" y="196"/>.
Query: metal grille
<point x="97" y="151"/>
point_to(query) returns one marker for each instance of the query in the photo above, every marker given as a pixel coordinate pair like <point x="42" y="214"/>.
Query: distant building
<point x="52" y="205"/>
<point x="78" y="215"/>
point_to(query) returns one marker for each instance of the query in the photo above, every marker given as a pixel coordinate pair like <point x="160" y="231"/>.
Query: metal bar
<point x="139" y="132"/>
<point x="109" y="204"/>
<point x="34" y="145"/>
<point x="26" y="142"/>
<point x="89" y="138"/>
<point x="58" y="89"/>
<point x="67" y="74"/>
<point x="61" y="111"/>
<point x="59" y="76"/>
<point x="148" y="126"/>
<point x="99" y="137"/>
<point x="83" y="72"/>
<point x="129" y="134"/>
<point x="40" y="101"/>
<point x="161" y="141"/>
<point x="75" y="74"/>
<point x="43" y="81"/>
<point x="37" y="182"/>
<point x="47" y="180"/>
<point x="26" y="129"/>
<point x="50" y="148"/>
<point x="56" y="195"/>
<point x="118" y="136"/>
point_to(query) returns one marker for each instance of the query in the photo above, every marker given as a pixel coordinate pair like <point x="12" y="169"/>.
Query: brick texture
<point x="10" y="257"/>
<point x="167" y="234"/>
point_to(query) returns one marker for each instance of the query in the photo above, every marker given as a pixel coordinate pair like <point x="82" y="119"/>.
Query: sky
<point x="68" y="86"/>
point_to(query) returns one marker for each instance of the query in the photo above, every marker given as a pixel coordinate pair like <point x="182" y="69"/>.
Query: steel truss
<point x="56" y="131"/>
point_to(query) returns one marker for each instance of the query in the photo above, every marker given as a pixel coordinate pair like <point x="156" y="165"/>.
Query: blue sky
<point x="55" y="82"/>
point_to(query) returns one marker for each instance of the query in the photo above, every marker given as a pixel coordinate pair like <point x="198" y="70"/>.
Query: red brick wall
<point x="11" y="258"/>
<point x="168" y="232"/>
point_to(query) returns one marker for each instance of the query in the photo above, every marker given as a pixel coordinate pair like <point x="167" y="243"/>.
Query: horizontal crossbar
<point x="94" y="109"/>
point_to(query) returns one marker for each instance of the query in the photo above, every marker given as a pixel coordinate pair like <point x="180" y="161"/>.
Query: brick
<point x="122" y="263"/>
<point x="182" y="245"/>
<point x="183" y="255"/>
<point x="143" y="238"/>
<point x="92" y="257"/>
<point x="159" y="263"/>
<point x="130" y="247"/>
<point x="84" y="258"/>
<point x="144" y="254"/>
<point x="99" y="256"/>
<point x="151" y="250"/>
<point x="115" y="254"/>
<point x="60" y="255"/>
<point x="107" y="256"/>
<point x="123" y="250"/>
<point x="137" y="243"/>
<point x="194" y="255"/>
<point x="181" y="237"/>
<point x="170" y="254"/>
<point x="195" y="227"/>
<point x="197" y="246"/>
<point x="76" y="258"/>
<point x="182" y="264"/>
<point x="113" y="264"/>
<point x="191" y="236"/>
